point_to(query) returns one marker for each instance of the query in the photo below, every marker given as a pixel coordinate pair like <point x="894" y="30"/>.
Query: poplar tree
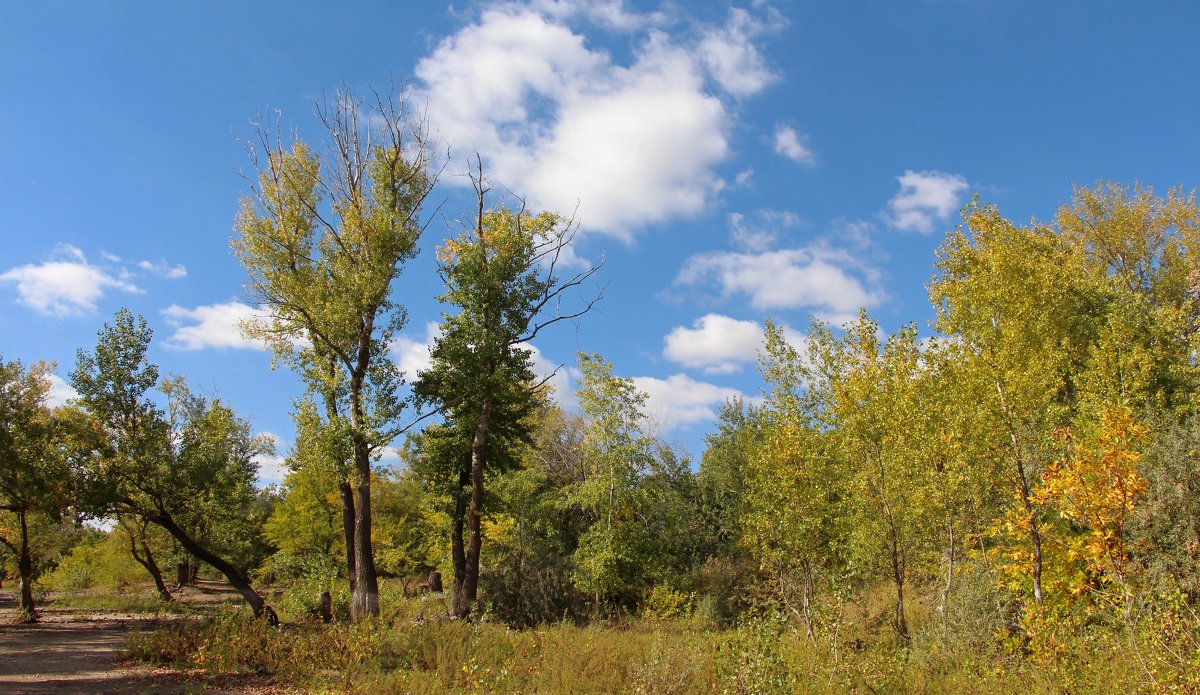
<point x="322" y="239"/>
<point x="504" y="286"/>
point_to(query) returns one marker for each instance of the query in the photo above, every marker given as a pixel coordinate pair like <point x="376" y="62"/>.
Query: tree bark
<point x="347" y="494"/>
<point x="146" y="559"/>
<point x="365" y="599"/>
<point x="466" y="593"/>
<point x="27" y="612"/>
<point x="458" y="553"/>
<point x="231" y="573"/>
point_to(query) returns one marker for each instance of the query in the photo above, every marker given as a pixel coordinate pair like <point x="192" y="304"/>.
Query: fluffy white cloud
<point x="827" y="280"/>
<point x="732" y="58"/>
<point x="272" y="468"/>
<point x="715" y="343"/>
<point x="412" y="354"/>
<point x="65" y="285"/>
<point x="60" y="391"/>
<point x="793" y="145"/>
<point x="720" y="345"/>
<point x="925" y="198"/>
<point x="680" y="400"/>
<point x="564" y="125"/>
<point x="211" y="326"/>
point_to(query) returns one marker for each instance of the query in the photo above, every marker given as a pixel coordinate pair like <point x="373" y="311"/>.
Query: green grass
<point x="405" y="652"/>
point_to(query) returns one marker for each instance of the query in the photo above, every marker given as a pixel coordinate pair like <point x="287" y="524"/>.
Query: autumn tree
<point x="180" y="470"/>
<point x="503" y="287"/>
<point x="794" y="523"/>
<point x="33" y="469"/>
<point x="1021" y="318"/>
<point x="322" y="239"/>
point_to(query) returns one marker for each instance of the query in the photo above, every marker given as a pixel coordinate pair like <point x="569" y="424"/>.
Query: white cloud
<point x="793" y="145"/>
<point x="211" y="326"/>
<point x="163" y="269"/>
<point x="760" y="232"/>
<point x="564" y="125"/>
<point x="60" y="391"/>
<point x="925" y="198"/>
<point x="715" y="343"/>
<point x="680" y="400"/>
<point x="66" y="285"/>
<point x="606" y="13"/>
<point x="272" y="468"/>
<point x="732" y="58"/>
<point x="412" y="354"/>
<point x="827" y="280"/>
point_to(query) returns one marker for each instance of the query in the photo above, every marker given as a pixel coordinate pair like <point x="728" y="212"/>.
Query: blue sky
<point x="729" y="162"/>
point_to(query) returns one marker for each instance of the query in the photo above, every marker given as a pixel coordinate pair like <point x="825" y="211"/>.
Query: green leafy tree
<point x="502" y="279"/>
<point x="611" y="561"/>
<point x="322" y="240"/>
<point x="184" y="471"/>
<point x="33" y="472"/>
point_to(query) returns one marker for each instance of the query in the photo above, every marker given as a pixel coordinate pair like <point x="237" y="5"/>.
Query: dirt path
<point x="70" y="651"/>
<point x="64" y="653"/>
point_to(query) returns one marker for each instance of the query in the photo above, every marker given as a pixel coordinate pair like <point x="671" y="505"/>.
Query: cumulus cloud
<point x="793" y="145"/>
<point x="731" y="56"/>
<point x="272" y="468"/>
<point x="568" y="127"/>
<point x="60" y="391"/>
<point x="211" y="326"/>
<point x="715" y="343"/>
<point x="679" y="400"/>
<point x="925" y="198"/>
<point x="829" y="281"/>
<point x="65" y="285"/>
<point x="412" y="354"/>
<point x="719" y="344"/>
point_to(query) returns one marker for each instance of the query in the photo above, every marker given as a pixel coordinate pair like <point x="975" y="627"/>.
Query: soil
<point x="71" y="651"/>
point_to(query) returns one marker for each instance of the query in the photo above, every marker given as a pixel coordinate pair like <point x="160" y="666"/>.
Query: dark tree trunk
<point x="27" y="612"/>
<point x="466" y="593"/>
<point x="145" y="558"/>
<point x="458" y="553"/>
<point x="365" y="599"/>
<point x="231" y="573"/>
<point x="347" y="494"/>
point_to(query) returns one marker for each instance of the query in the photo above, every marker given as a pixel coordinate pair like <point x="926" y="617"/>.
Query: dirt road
<point x="69" y="652"/>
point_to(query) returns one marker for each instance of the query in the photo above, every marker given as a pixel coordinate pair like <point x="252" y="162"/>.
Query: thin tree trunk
<point x="365" y="599"/>
<point x="1035" y="533"/>
<point x="457" y="547"/>
<point x="465" y="594"/>
<point x="231" y="573"/>
<point x="347" y="495"/>
<point x="25" y="568"/>
<point x="145" y="558"/>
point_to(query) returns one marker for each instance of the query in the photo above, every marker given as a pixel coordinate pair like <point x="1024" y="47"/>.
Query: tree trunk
<point x="145" y="558"/>
<point x="152" y="567"/>
<point x="1035" y="534"/>
<point x="458" y="553"/>
<point x="364" y="601"/>
<point x="27" y="613"/>
<point x="231" y="573"/>
<point x="347" y="494"/>
<point x="465" y="594"/>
